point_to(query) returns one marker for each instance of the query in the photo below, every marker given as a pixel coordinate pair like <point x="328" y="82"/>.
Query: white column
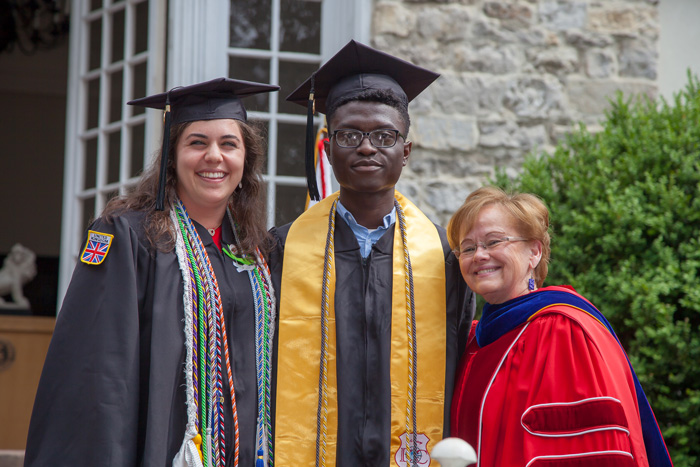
<point x="678" y="44"/>
<point x="342" y="20"/>
<point x="197" y="41"/>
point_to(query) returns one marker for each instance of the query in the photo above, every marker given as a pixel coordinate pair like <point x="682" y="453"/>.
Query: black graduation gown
<point x="363" y="338"/>
<point x="112" y="391"/>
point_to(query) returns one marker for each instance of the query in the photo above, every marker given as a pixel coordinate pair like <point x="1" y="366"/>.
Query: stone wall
<point x="516" y="76"/>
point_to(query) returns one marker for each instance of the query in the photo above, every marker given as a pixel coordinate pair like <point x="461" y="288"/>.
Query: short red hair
<point x="527" y="210"/>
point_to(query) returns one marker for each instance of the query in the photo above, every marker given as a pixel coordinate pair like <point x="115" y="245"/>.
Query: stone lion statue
<point x="18" y="268"/>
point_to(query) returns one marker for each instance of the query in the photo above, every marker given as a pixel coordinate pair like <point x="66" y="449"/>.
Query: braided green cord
<point x="245" y="260"/>
<point x="202" y="355"/>
<point x="266" y="323"/>
<point x="238" y="259"/>
<point x="265" y="349"/>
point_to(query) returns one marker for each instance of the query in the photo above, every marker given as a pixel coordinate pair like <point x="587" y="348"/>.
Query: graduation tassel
<point x="261" y="461"/>
<point x="210" y="454"/>
<point x="160" y="200"/>
<point x="310" y="163"/>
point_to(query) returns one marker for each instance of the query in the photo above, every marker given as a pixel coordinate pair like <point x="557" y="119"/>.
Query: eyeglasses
<point x="468" y="251"/>
<point x="384" y="138"/>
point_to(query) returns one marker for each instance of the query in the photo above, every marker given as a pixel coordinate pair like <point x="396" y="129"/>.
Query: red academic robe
<point x="554" y="391"/>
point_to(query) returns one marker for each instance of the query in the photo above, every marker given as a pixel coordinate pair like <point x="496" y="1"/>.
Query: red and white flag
<point x="323" y="168"/>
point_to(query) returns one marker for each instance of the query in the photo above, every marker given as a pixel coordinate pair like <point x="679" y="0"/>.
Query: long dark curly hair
<point x="246" y="204"/>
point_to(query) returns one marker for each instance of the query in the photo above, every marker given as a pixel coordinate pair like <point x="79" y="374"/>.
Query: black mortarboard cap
<point x="354" y="69"/>
<point x="210" y="100"/>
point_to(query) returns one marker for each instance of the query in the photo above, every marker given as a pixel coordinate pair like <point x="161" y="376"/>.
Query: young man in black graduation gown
<point x="372" y="299"/>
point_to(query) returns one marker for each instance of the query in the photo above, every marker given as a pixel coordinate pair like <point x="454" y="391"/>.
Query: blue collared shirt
<point x="366" y="237"/>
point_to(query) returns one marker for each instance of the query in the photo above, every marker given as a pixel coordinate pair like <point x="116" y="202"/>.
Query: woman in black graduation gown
<point x="161" y="350"/>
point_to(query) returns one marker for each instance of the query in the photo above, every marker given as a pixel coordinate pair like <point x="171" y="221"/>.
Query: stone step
<point x="11" y="458"/>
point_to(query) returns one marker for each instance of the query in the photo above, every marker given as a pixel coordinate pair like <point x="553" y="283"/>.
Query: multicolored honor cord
<point x="264" y="300"/>
<point x="209" y="341"/>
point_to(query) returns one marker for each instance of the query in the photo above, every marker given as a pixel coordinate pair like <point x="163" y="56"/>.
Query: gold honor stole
<point x="299" y="350"/>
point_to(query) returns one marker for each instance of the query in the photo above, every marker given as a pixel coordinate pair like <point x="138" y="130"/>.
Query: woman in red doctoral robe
<point x="544" y="380"/>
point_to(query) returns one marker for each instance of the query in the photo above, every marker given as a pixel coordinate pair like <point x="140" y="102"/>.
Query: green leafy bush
<point x="625" y="214"/>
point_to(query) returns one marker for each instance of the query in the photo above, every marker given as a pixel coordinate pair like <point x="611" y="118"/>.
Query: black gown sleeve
<point x="460" y="308"/>
<point x="276" y="256"/>
<point x="275" y="259"/>
<point x="86" y="410"/>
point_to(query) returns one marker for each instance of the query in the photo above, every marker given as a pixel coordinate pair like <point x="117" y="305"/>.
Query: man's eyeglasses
<point x="379" y="138"/>
<point x="467" y="251"/>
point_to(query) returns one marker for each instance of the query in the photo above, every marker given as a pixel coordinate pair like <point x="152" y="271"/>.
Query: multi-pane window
<point x="279" y="42"/>
<point x="117" y="50"/>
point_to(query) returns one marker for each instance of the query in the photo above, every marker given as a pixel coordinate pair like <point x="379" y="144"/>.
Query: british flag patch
<point x="96" y="248"/>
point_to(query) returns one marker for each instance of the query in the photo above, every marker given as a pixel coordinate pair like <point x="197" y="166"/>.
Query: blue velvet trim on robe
<point x="500" y="319"/>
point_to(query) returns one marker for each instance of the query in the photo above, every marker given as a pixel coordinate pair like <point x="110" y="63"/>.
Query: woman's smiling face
<point x="210" y="155"/>
<point x="500" y="273"/>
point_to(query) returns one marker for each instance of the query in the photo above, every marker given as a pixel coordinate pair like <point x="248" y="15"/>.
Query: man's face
<point x="366" y="169"/>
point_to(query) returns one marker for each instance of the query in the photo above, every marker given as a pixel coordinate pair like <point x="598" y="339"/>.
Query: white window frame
<point x="78" y="76"/>
<point x="197" y="38"/>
